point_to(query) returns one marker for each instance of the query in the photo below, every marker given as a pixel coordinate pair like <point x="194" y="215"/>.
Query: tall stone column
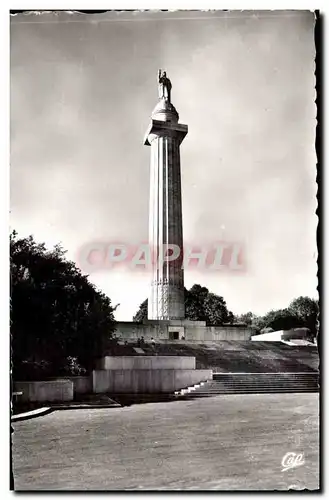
<point x="165" y="135"/>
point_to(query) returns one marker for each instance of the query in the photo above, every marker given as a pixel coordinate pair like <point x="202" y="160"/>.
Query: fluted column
<point x="166" y="299"/>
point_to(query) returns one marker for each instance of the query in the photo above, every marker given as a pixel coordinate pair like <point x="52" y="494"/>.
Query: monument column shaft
<point x="166" y="299"/>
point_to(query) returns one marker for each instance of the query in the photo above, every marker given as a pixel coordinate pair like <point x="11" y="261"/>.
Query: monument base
<point x="180" y="330"/>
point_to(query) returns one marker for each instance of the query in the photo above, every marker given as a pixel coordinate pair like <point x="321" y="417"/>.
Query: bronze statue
<point x="164" y="86"/>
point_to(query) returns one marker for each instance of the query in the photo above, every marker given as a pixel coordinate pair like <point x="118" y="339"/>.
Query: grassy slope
<point x="236" y="356"/>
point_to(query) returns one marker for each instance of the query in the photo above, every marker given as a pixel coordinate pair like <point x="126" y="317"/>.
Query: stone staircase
<point x="255" y="383"/>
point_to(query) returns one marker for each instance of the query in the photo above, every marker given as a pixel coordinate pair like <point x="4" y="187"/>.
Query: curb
<point x="40" y="412"/>
<point x="31" y="414"/>
<point x="86" y="407"/>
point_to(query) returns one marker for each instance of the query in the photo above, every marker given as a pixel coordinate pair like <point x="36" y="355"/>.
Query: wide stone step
<point x="208" y="395"/>
<point x="262" y="385"/>
<point x="255" y="391"/>
<point x="288" y="384"/>
<point x="247" y="377"/>
<point x="261" y="377"/>
<point x="260" y="388"/>
<point x="267" y="379"/>
<point x="265" y="384"/>
<point x="263" y="388"/>
<point x="246" y="388"/>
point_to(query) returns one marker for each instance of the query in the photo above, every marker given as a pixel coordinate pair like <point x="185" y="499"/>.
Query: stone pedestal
<point x="164" y="135"/>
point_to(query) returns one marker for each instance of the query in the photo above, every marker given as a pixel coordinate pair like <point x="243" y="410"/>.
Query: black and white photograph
<point x="164" y="302"/>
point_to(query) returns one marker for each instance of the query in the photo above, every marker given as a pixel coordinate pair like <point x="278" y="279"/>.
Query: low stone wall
<point x="191" y="330"/>
<point x="173" y="322"/>
<point x="133" y="330"/>
<point x="213" y="333"/>
<point x="48" y="391"/>
<point x="82" y="384"/>
<point x="147" y="363"/>
<point x="146" y="381"/>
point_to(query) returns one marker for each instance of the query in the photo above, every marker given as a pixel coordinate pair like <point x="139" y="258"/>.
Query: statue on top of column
<point x="164" y="86"/>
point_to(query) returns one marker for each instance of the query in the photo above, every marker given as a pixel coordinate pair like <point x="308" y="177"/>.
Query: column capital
<point x="168" y="129"/>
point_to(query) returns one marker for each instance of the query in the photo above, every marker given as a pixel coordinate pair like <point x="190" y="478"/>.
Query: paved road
<point x="232" y="442"/>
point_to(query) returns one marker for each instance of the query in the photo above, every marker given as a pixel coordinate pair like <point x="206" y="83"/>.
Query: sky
<point x="82" y="91"/>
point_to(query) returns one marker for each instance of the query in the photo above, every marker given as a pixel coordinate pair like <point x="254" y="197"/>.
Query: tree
<point x="56" y="314"/>
<point x="216" y="311"/>
<point x="282" y="319"/>
<point x="195" y="303"/>
<point x="142" y="311"/>
<point x="307" y="312"/>
<point x="302" y="312"/>
<point x="200" y="305"/>
<point x="247" y="318"/>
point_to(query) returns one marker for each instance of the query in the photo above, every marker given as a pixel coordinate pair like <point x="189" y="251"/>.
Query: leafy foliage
<point x="248" y="318"/>
<point x="301" y="313"/>
<point x="307" y="312"/>
<point x="58" y="318"/>
<point x="142" y="311"/>
<point x="281" y="319"/>
<point x="200" y="305"/>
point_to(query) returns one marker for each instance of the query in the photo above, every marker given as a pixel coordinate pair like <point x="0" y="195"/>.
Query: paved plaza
<point x="232" y="442"/>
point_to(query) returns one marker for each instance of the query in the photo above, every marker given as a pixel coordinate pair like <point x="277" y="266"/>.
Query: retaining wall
<point x="47" y="391"/>
<point x="147" y="363"/>
<point x="146" y="381"/>
<point x="191" y="330"/>
<point x="213" y="333"/>
<point x="82" y="385"/>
